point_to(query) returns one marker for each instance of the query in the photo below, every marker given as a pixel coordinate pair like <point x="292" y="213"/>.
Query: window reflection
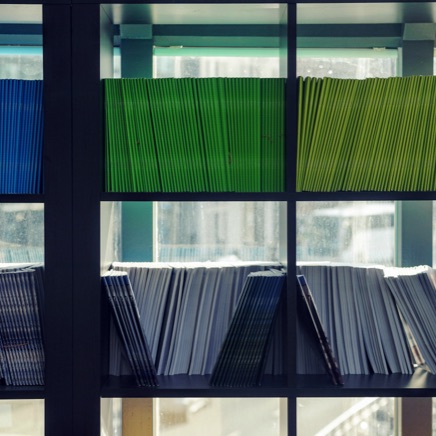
<point x="346" y="416"/>
<point x="356" y="232"/>
<point x="21" y="232"/>
<point x="217" y="231"/>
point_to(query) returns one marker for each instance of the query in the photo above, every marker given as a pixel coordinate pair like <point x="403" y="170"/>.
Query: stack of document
<point x="185" y="310"/>
<point x="194" y="135"/>
<point x="366" y="135"/>
<point x="379" y="320"/>
<point x="312" y="335"/>
<point x="22" y="358"/>
<point x="242" y="358"/>
<point x="125" y="312"/>
<point x="414" y="290"/>
<point x="21" y="137"/>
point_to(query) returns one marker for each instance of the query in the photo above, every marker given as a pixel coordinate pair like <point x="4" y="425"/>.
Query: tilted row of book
<point x="194" y="135"/>
<point x="378" y="320"/>
<point x="189" y="310"/>
<point x="125" y="311"/>
<point x="375" y="134"/>
<point x="22" y="358"/>
<point x="21" y="136"/>
<point x="242" y="358"/>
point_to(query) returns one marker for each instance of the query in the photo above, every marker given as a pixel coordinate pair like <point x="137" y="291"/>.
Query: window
<point x="216" y="62"/>
<point x="347" y="63"/>
<point x="19" y="62"/>
<point x="190" y="416"/>
<point x="346" y="416"/>
<point x="21" y="232"/>
<point x="356" y="232"/>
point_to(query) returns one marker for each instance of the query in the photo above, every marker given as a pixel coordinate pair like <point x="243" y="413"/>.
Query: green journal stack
<point x="366" y="135"/>
<point x="194" y="135"/>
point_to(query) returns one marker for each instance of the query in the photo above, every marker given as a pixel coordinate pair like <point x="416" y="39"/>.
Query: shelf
<point x="420" y="384"/>
<point x="364" y="196"/>
<point x="267" y="196"/>
<point x="190" y="386"/>
<point x="22" y="198"/>
<point x="197" y="196"/>
<point x="21" y="393"/>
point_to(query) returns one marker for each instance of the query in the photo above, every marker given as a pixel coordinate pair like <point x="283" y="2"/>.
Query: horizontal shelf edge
<point x="361" y="196"/>
<point x="22" y="198"/>
<point x="190" y="386"/>
<point x="196" y="196"/>
<point x="419" y="384"/>
<point x="266" y="196"/>
<point x="22" y="393"/>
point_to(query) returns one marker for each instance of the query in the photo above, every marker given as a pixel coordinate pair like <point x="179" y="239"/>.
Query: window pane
<point x="192" y="231"/>
<point x="21" y="232"/>
<point x="345" y="416"/>
<point x="347" y="64"/>
<point x="23" y="63"/>
<point x="22" y="417"/>
<point x="221" y="416"/>
<point x="217" y="231"/>
<point x="195" y="416"/>
<point x="233" y="64"/>
<point x="434" y="417"/>
<point x="353" y="232"/>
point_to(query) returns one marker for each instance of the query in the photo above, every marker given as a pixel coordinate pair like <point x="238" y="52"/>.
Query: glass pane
<point x="345" y="416"/>
<point x="111" y="417"/>
<point x="217" y="63"/>
<point x="22" y="417"/>
<point x="195" y="416"/>
<point x="221" y="416"/>
<point x="434" y="417"/>
<point x="192" y="231"/>
<point x="23" y="63"/>
<point x="347" y="63"/>
<point x="353" y="232"/>
<point x="21" y="232"/>
<point x="217" y="231"/>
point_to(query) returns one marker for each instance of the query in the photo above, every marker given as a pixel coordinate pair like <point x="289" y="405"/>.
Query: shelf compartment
<point x="221" y="130"/>
<point x="353" y="137"/>
<point x="21" y="100"/>
<point x="195" y="135"/>
<point x="211" y="243"/>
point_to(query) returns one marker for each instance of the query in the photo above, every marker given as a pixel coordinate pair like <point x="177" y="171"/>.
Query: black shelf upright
<point x="59" y="264"/>
<point x="88" y="49"/>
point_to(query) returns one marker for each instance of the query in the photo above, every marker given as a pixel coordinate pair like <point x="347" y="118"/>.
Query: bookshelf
<point x="77" y="53"/>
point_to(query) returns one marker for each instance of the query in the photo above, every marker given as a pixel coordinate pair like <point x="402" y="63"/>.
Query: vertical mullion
<point x="290" y="187"/>
<point x="87" y="176"/>
<point x="57" y="164"/>
<point x="291" y="100"/>
<point x="414" y="226"/>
